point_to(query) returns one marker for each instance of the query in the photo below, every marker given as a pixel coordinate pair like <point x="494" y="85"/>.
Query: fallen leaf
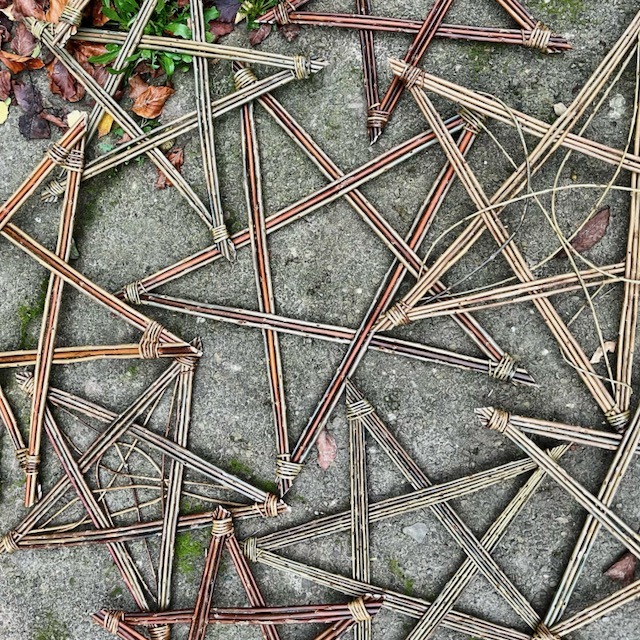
<point x="327" y="449"/>
<point x="55" y="10"/>
<point x="256" y="36"/>
<point x="16" y="63"/>
<point x="5" y="34"/>
<point x="23" y="43"/>
<point x="219" y="28"/>
<point x="176" y="158"/>
<point x="104" y="126"/>
<point x="228" y="9"/>
<point x="98" y="19"/>
<point x="137" y="86"/>
<point x="27" y="8"/>
<point x="289" y="31"/>
<point x="62" y="83"/>
<point x="30" y="124"/>
<point x="5" y="85"/>
<point x="33" y="127"/>
<point x="623" y="570"/>
<point x="609" y="347"/>
<point x="87" y="49"/>
<point x="593" y="231"/>
<point x="4" y="110"/>
<point x="54" y="119"/>
<point x="150" y="102"/>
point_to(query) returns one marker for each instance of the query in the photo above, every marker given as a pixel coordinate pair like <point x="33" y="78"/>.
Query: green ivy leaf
<point x="180" y="30"/>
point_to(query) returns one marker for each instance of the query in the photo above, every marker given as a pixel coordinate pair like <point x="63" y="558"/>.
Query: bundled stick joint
<point x="538" y="38"/>
<point x="150" y="341"/>
<point x="112" y="620"/>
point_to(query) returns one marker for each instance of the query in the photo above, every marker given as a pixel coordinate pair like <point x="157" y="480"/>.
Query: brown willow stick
<point x="264" y="286"/>
<point x="55" y="156"/>
<point x="519" y="13"/>
<point x="128" y="124"/>
<point x="521" y="292"/>
<point x="221" y="528"/>
<point x="174" y="483"/>
<point x="495" y="109"/>
<point x="207" y="143"/>
<point x="371" y="94"/>
<point x="359" y="496"/>
<point x="113" y="623"/>
<point x="378" y="223"/>
<point x="66" y="355"/>
<point x="8" y="418"/>
<point x="446" y="515"/>
<point x="69" y="21"/>
<point x="49" y="327"/>
<point x="98" y="514"/>
<point x="117" y="427"/>
<point x="607" y="493"/>
<point x="130" y="43"/>
<point x="393" y="507"/>
<point x="629" y="317"/>
<point x="310" y="203"/>
<point x="153" y="333"/>
<point x="138" y="145"/>
<point x="498" y="420"/>
<point x="330" y="333"/>
<point x="287" y="614"/>
<point x="526" y="37"/>
<point x="268" y="502"/>
<point x="414" y="55"/>
<point x="489" y="219"/>
<point x="394" y="601"/>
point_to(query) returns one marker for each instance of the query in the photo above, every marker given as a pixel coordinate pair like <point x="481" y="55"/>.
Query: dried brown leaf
<point x="593" y="231"/>
<point x="30" y="124"/>
<point x="62" y="83"/>
<point x="55" y="10"/>
<point x="86" y="49"/>
<point x="23" y="43"/>
<point x="327" y="449"/>
<point x="150" y="102"/>
<point x="5" y="85"/>
<point x="27" y="9"/>
<point x="256" y="36"/>
<point x="228" y="9"/>
<point x="176" y="157"/>
<point x="289" y="31"/>
<point x="16" y="63"/>
<point x="98" y="19"/>
<point x="219" y="28"/>
<point x="623" y="570"/>
<point x="598" y="354"/>
<point x="54" y="119"/>
<point x="136" y="86"/>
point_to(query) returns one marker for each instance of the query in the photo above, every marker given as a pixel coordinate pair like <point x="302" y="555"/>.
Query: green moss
<point x="479" y="55"/>
<point x="27" y="313"/>
<point x="188" y="550"/>
<point x="240" y="468"/>
<point x="132" y="371"/>
<point x="52" y="629"/>
<point x="569" y="10"/>
<point x="116" y="592"/>
<point x="398" y="572"/>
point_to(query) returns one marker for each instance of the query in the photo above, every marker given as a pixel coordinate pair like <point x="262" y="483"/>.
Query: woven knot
<point x="71" y="15"/>
<point x="269" y="508"/>
<point x="358" y="610"/>
<point x="37" y="27"/>
<point x="301" y="67"/>
<point x="410" y="76"/>
<point x="132" y="292"/>
<point x="160" y="632"/>
<point x="470" y="120"/>
<point x="220" y="233"/>
<point x="499" y="420"/>
<point x="57" y="153"/>
<point x="251" y="551"/>
<point x="376" y="117"/>
<point x="505" y="369"/>
<point x="9" y="542"/>
<point x="285" y="469"/>
<point x="53" y="191"/>
<point x="244" y="78"/>
<point x="542" y="632"/>
<point x="112" y="620"/>
<point x="150" y="342"/>
<point x="75" y="160"/>
<point x="26" y="382"/>
<point x="281" y="12"/>
<point x="31" y="464"/>
<point x="617" y="419"/>
<point x="538" y="38"/>
<point x="187" y="363"/>
<point x="221" y="527"/>
<point x="359" y="409"/>
<point x="21" y="457"/>
<point x="398" y="315"/>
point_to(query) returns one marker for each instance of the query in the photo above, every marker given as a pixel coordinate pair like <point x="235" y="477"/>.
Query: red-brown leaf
<point x="86" y="49"/>
<point x="136" y="86"/>
<point x="327" y="449"/>
<point x="220" y="29"/>
<point x="98" y="19"/>
<point x="16" y="63"/>
<point x="176" y="158"/>
<point x="55" y="10"/>
<point x="256" y="36"/>
<point x="62" y="83"/>
<point x="23" y="43"/>
<point x="593" y="231"/>
<point x="150" y="102"/>
<point x="27" y="8"/>
<point x="54" y="119"/>
<point x="289" y="31"/>
<point x="623" y="570"/>
<point x="5" y="85"/>
<point x="228" y="9"/>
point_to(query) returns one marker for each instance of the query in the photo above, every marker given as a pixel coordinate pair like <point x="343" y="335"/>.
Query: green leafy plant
<point x="253" y="9"/>
<point x="168" y="18"/>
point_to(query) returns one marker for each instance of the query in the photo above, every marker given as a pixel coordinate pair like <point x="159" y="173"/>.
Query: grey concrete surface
<point x="327" y="268"/>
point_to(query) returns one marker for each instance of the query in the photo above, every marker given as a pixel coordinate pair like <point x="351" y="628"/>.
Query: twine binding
<point x="221" y="527"/>
<point x="301" y="67"/>
<point x="52" y="191"/>
<point x="269" y="508"/>
<point x="244" y="77"/>
<point x="285" y="469"/>
<point x="75" y="161"/>
<point x="132" y="292"/>
<point x="220" y="234"/>
<point x="32" y="462"/>
<point x="398" y="315"/>
<point x="21" y="457"/>
<point x="112" y="620"/>
<point x="71" y="15"/>
<point x="618" y="419"/>
<point x="281" y="12"/>
<point x="472" y="121"/>
<point x="250" y="548"/>
<point x="9" y="542"/>
<point x="499" y="420"/>
<point x="538" y="38"/>
<point x="58" y="154"/>
<point x="160" y="632"/>
<point x="504" y="370"/>
<point x="359" y="610"/>
<point x="377" y="117"/>
<point x="359" y="409"/>
<point x="150" y="342"/>
<point x="410" y="76"/>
